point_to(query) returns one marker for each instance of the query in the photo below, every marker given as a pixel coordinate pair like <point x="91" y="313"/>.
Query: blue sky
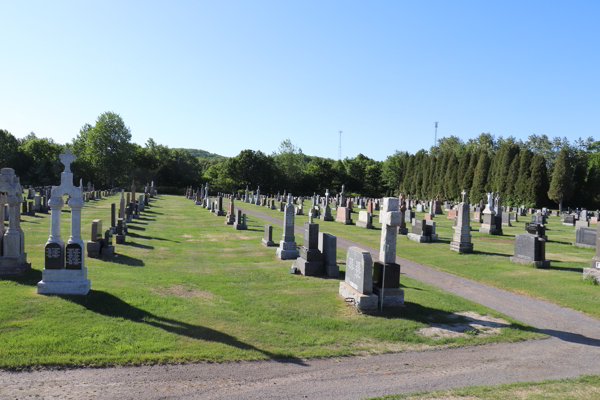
<point x="224" y="76"/>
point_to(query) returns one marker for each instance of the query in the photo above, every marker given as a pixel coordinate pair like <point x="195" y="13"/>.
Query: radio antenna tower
<point x="340" y="148"/>
<point x="435" y="142"/>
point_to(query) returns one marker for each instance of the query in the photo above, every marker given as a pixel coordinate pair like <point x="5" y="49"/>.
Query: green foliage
<point x="539" y="181"/>
<point x="203" y="154"/>
<point x="451" y="187"/>
<point x="478" y="190"/>
<point x="522" y="190"/>
<point x="562" y="178"/>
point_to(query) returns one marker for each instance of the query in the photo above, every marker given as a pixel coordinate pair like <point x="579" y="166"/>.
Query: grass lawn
<point x="561" y="284"/>
<point x="187" y="287"/>
<point x="584" y="388"/>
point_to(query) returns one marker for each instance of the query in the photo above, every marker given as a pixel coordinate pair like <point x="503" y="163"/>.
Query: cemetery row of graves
<point x="183" y="283"/>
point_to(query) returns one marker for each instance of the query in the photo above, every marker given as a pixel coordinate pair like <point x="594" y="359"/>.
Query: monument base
<point x="344" y="221"/>
<point x="364" y="225"/>
<point x="524" y="261"/>
<point x="364" y="302"/>
<point x="120" y="239"/>
<point x="332" y="271"/>
<point x="287" y="254"/>
<point x="402" y="231"/>
<point x="461" y="247"/>
<point x="595" y="263"/>
<point x="308" y="268"/>
<point x="593" y="273"/>
<point x="419" y="238"/>
<point x="14" y="265"/>
<point x="268" y="243"/>
<point x="220" y="213"/>
<point x="64" y="281"/>
<point x="240" y="227"/>
<point x="229" y="220"/>
<point x="391" y="297"/>
<point x="326" y="217"/>
<point x="582" y="245"/>
<point x="490" y="229"/>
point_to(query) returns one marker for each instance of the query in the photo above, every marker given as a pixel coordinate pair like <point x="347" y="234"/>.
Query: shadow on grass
<point x="135" y="235"/>
<point x="135" y="228"/>
<point x="566" y="269"/>
<point x="111" y="306"/>
<point x="255" y="230"/>
<point x="124" y="260"/>
<point x="489" y="253"/>
<point x="29" y="278"/>
<point x="152" y="212"/>
<point x="138" y="245"/>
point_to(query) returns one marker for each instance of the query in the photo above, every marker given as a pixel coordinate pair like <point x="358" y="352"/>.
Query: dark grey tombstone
<point x="268" y="238"/>
<point x="53" y="256"/>
<point x="113" y="215"/>
<point x="74" y="256"/>
<point x="586" y="236"/>
<point x="419" y="227"/>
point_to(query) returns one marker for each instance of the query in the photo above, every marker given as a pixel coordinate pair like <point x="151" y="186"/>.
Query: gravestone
<point x="451" y="214"/>
<point x="53" y="256"/>
<point x="461" y="240"/>
<point x="113" y="217"/>
<point x="328" y="247"/>
<point x="490" y="221"/>
<point x="343" y="215"/>
<point x="358" y="282"/>
<point x="581" y="224"/>
<point x="386" y="272"/>
<point x="219" y="209"/>
<point x="120" y="237"/>
<point x="310" y="261"/>
<point x="569" y="220"/>
<point x="506" y="219"/>
<point x="530" y="248"/>
<point x="594" y="271"/>
<point x="72" y="279"/>
<point x="287" y="245"/>
<point x="300" y="210"/>
<point x="267" y="240"/>
<point x="586" y="238"/>
<point x="13" y="259"/>
<point x="240" y="221"/>
<point x="229" y="219"/>
<point x="365" y="220"/>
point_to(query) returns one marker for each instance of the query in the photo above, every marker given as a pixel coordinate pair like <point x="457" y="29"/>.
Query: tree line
<point x="535" y="173"/>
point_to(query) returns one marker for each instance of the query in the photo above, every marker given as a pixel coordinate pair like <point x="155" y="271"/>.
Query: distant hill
<point x="203" y="154"/>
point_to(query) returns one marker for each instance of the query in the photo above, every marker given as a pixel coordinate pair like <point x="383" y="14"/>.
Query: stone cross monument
<point x="65" y="272"/>
<point x="461" y="240"/>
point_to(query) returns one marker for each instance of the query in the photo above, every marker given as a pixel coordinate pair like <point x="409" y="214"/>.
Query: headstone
<point x="287" y="245"/>
<point x="569" y="220"/>
<point x="267" y="240"/>
<point x="530" y="249"/>
<point x="328" y="247"/>
<point x="489" y="224"/>
<point x="586" y="238"/>
<point x="386" y="271"/>
<point x="594" y="271"/>
<point x="358" y="283"/>
<point x="365" y="220"/>
<point x="419" y="232"/>
<point x="461" y="240"/>
<point x="310" y="261"/>
<point x="230" y="213"/>
<point x="72" y="279"/>
<point x="240" y="222"/>
<point x="343" y="215"/>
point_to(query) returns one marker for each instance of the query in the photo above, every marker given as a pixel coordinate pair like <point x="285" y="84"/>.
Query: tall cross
<point x="289" y="198"/>
<point x="67" y="158"/>
<point x="390" y="218"/>
<point x="464" y="195"/>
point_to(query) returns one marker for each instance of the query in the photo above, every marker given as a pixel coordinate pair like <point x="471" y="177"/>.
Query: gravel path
<point x="572" y="350"/>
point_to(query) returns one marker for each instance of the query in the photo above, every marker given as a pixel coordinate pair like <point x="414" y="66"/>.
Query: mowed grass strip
<point x="561" y="284"/>
<point x="187" y="287"/>
<point x="586" y="387"/>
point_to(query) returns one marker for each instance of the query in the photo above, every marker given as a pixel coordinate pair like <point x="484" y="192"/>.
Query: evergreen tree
<point x="467" y="182"/>
<point x="494" y="173"/>
<point x="463" y="166"/>
<point x="478" y="190"/>
<point x="510" y="152"/>
<point x="407" y="181"/>
<point x="426" y="170"/>
<point x="438" y="184"/>
<point x="522" y="188"/>
<point x="562" y="179"/>
<point x="417" y="175"/>
<point x="432" y="174"/>
<point x="593" y="186"/>
<point x="511" y="181"/>
<point x="539" y="180"/>
<point x="451" y="189"/>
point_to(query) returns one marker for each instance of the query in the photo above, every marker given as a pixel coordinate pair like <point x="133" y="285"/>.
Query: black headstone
<point x="74" y="256"/>
<point x="53" y="256"/>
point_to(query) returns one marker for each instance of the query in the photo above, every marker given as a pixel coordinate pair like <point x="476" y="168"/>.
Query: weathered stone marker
<point x="594" y="271"/>
<point x="358" y="283"/>
<point x="328" y="247"/>
<point x="461" y="240"/>
<point x="310" y="262"/>
<point x="287" y="245"/>
<point x="267" y="240"/>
